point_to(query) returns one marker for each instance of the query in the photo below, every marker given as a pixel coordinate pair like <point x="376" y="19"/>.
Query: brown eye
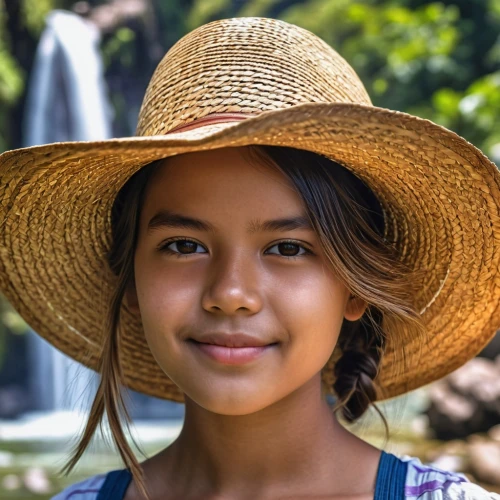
<point x="290" y="249"/>
<point x="182" y="247"/>
<point x="185" y="246"/>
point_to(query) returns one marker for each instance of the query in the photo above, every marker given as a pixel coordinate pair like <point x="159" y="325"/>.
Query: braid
<point x="362" y="344"/>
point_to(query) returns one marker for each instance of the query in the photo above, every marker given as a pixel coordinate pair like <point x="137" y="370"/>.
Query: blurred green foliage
<point x="34" y="12"/>
<point x="203" y="10"/>
<point x="11" y="78"/>
<point x="118" y="47"/>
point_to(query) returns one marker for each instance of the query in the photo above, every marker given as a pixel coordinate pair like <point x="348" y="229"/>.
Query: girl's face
<point x="224" y="248"/>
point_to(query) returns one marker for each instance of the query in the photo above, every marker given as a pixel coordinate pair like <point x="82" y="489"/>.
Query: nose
<point x="232" y="286"/>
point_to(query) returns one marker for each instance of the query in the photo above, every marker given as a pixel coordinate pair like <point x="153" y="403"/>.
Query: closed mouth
<point x="231" y="346"/>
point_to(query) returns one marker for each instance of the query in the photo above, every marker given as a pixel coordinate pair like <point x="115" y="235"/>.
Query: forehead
<point x="221" y="182"/>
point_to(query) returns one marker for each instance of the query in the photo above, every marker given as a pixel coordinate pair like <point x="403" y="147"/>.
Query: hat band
<point x="211" y="119"/>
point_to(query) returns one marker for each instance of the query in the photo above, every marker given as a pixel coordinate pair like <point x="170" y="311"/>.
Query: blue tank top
<point x="391" y="477"/>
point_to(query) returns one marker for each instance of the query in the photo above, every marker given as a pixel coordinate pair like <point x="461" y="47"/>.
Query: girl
<point x="268" y="239"/>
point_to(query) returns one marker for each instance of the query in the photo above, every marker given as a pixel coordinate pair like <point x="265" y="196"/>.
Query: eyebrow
<point x="168" y="219"/>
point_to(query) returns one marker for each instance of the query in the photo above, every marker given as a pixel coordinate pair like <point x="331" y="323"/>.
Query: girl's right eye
<point x="181" y="247"/>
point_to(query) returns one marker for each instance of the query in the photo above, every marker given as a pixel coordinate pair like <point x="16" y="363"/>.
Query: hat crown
<point x="244" y="65"/>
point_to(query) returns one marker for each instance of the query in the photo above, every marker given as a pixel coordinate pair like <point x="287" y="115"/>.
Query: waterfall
<point x="67" y="98"/>
<point x="66" y="101"/>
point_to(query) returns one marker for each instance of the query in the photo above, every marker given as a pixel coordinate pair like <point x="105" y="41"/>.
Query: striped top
<point x="421" y="482"/>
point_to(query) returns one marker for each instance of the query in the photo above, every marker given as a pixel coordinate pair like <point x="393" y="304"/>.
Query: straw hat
<point x="246" y="81"/>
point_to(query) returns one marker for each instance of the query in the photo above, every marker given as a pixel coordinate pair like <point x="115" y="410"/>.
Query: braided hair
<point x="362" y="344"/>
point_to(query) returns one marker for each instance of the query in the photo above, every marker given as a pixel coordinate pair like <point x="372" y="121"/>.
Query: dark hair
<point x="349" y="222"/>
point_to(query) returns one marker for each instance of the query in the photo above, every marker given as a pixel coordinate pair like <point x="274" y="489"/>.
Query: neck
<point x="293" y="444"/>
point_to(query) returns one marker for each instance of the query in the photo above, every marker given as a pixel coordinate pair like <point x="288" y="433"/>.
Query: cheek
<point x="311" y="309"/>
<point x="166" y="298"/>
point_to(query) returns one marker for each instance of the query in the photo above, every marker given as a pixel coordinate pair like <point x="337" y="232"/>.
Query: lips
<point x="231" y="340"/>
<point x="231" y="349"/>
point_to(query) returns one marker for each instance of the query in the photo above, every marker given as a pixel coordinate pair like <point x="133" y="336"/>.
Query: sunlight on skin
<point x="246" y="425"/>
<point x="226" y="282"/>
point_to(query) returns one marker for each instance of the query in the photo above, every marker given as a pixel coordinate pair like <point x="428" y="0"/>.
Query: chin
<point x="235" y="405"/>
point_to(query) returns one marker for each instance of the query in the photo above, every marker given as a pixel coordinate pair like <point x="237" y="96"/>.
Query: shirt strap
<point x="391" y="477"/>
<point x="115" y="485"/>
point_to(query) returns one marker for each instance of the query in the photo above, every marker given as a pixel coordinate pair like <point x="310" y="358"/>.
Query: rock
<point x="467" y="401"/>
<point x="484" y="457"/>
<point x="494" y="433"/>
<point x="455" y="447"/>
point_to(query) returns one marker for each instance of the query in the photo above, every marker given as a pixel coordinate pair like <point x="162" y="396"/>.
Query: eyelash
<point x="163" y="248"/>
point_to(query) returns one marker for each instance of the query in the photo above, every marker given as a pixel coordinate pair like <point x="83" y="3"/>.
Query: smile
<point x="230" y="355"/>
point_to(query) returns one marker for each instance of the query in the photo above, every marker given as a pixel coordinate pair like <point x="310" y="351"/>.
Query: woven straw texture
<point x="440" y="195"/>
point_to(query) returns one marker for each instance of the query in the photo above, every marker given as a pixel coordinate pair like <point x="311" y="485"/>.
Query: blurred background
<point x="78" y="71"/>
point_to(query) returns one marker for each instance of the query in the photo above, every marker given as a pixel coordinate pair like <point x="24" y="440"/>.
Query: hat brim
<point x="440" y="195"/>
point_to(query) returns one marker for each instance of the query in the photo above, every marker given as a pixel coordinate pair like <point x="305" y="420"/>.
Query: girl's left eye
<point x="289" y="249"/>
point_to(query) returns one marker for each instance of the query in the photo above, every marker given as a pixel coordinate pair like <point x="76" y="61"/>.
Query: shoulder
<point x="426" y="482"/>
<point x="88" y="489"/>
